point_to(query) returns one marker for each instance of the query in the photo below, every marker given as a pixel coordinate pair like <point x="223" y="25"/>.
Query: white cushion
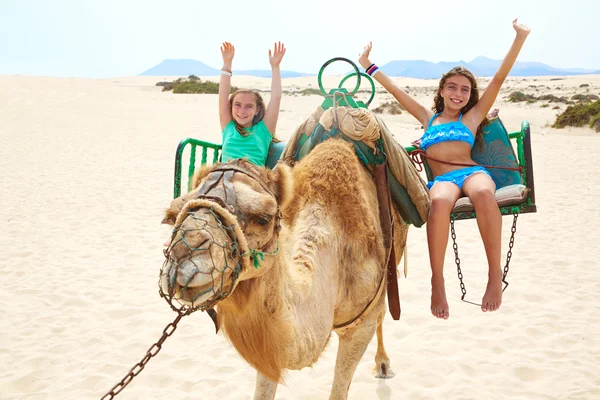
<point x="507" y="196"/>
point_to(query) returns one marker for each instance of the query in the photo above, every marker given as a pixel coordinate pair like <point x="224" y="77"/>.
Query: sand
<point x="87" y="170"/>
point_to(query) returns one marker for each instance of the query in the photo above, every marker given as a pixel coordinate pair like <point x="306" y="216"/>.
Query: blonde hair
<point x="260" y="106"/>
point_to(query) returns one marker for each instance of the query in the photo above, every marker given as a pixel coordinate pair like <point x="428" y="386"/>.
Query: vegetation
<point x="584" y="97"/>
<point x="391" y="107"/>
<point x="554" y="99"/>
<point x="517" y="97"/>
<point x="309" y="92"/>
<point x="580" y="114"/>
<point x="192" y="84"/>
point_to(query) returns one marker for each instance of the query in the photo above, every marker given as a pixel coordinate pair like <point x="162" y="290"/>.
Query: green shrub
<point x="553" y="99"/>
<point x="595" y="123"/>
<point x="517" y="97"/>
<point x="192" y="84"/>
<point x="391" y="107"/>
<point x="584" y="97"/>
<point x="580" y="114"/>
<point x="309" y="92"/>
<point x="544" y="105"/>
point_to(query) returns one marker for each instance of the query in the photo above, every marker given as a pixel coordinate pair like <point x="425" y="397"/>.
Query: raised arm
<point x="227" y="51"/>
<point x="480" y="110"/>
<point x="416" y="109"/>
<point x="272" y="111"/>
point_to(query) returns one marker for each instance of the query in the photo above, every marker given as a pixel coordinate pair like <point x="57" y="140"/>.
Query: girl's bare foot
<point x="492" y="299"/>
<point x="439" y="304"/>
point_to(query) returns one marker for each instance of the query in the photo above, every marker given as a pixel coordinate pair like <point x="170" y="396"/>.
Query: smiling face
<point x="244" y="107"/>
<point x="456" y="92"/>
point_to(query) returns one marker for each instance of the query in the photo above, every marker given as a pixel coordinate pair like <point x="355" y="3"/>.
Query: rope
<point x="259" y="256"/>
<point x="418" y="155"/>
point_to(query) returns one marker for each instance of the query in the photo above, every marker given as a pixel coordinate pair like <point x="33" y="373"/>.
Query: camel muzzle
<point x="208" y="254"/>
<point x="204" y="259"/>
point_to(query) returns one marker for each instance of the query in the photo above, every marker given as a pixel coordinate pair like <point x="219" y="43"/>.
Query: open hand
<point x="522" y="30"/>
<point x="227" y="51"/>
<point x="277" y="55"/>
<point x="363" y="58"/>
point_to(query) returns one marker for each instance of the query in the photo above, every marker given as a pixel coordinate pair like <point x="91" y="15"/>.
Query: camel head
<point x="227" y="231"/>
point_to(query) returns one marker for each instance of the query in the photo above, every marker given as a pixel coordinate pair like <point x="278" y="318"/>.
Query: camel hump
<point x="409" y="191"/>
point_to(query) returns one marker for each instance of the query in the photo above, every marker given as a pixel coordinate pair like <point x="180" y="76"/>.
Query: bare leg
<point x="353" y="344"/>
<point x="480" y="188"/>
<point x="265" y="388"/>
<point x="382" y="361"/>
<point x="443" y="196"/>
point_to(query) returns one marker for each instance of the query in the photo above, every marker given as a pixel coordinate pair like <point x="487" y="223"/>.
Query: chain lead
<point x="152" y="351"/>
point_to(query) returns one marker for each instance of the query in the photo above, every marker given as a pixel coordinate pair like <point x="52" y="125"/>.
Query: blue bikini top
<point x="446" y="132"/>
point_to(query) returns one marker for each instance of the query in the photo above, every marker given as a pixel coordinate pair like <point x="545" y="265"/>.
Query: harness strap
<point x="387" y="228"/>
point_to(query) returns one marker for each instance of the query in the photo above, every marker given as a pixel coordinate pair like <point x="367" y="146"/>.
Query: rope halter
<point x="208" y="253"/>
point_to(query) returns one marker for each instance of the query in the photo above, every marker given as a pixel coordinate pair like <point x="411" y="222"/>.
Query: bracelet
<point x="372" y="70"/>
<point x="225" y="72"/>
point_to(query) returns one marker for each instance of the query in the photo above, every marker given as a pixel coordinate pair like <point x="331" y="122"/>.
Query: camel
<point x="315" y="267"/>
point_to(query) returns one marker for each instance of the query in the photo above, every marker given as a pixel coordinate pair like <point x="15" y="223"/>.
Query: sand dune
<point x="87" y="170"/>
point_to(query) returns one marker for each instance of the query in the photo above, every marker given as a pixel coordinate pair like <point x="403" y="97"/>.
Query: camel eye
<point x="263" y="220"/>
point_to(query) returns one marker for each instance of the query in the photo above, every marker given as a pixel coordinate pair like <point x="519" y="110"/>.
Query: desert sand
<point x="87" y="171"/>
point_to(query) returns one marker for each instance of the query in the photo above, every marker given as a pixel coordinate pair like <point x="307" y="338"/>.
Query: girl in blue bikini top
<point x="445" y="132"/>
<point x="457" y="94"/>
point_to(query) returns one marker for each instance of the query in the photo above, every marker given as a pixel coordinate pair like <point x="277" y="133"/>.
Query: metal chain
<point x="511" y="243"/>
<point x="457" y="260"/>
<point x="152" y="351"/>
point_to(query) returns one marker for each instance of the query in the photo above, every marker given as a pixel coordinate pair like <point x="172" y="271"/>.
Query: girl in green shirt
<point x="248" y="127"/>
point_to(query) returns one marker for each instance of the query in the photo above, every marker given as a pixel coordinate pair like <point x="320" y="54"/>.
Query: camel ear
<point x="282" y="179"/>
<point x="200" y="174"/>
<point x="175" y="207"/>
<point x="177" y="204"/>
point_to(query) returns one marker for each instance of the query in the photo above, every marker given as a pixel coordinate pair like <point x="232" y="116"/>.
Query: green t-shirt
<point x="254" y="146"/>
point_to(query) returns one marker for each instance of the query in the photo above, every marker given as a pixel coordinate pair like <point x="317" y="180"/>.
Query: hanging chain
<point x="152" y="351"/>
<point x="511" y="243"/>
<point x="457" y="260"/>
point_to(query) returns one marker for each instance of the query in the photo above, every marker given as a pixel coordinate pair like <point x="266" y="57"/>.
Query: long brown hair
<point x="438" y="101"/>
<point x="260" y="106"/>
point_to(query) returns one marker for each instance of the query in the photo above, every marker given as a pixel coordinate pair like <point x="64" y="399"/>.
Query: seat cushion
<point x="506" y="196"/>
<point x="497" y="150"/>
<point x="275" y="150"/>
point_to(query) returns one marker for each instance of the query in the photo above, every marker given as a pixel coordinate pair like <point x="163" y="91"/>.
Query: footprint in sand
<point x="527" y="374"/>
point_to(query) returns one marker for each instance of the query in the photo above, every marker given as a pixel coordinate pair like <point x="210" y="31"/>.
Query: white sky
<point x="108" y="38"/>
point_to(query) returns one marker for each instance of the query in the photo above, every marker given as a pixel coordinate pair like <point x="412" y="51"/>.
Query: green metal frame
<point x="522" y="138"/>
<point x="345" y="98"/>
<point x="194" y="143"/>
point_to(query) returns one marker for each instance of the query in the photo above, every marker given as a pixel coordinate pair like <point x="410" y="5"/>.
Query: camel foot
<point x="383" y="370"/>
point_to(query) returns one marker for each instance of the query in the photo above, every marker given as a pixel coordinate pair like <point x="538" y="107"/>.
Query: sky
<point x="115" y="38"/>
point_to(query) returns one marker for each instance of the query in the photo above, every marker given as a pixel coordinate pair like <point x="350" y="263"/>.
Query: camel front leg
<point x="265" y="388"/>
<point x="382" y="368"/>
<point x="353" y="344"/>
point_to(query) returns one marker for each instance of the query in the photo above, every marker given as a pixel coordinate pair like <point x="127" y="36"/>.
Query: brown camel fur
<point x="327" y="268"/>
